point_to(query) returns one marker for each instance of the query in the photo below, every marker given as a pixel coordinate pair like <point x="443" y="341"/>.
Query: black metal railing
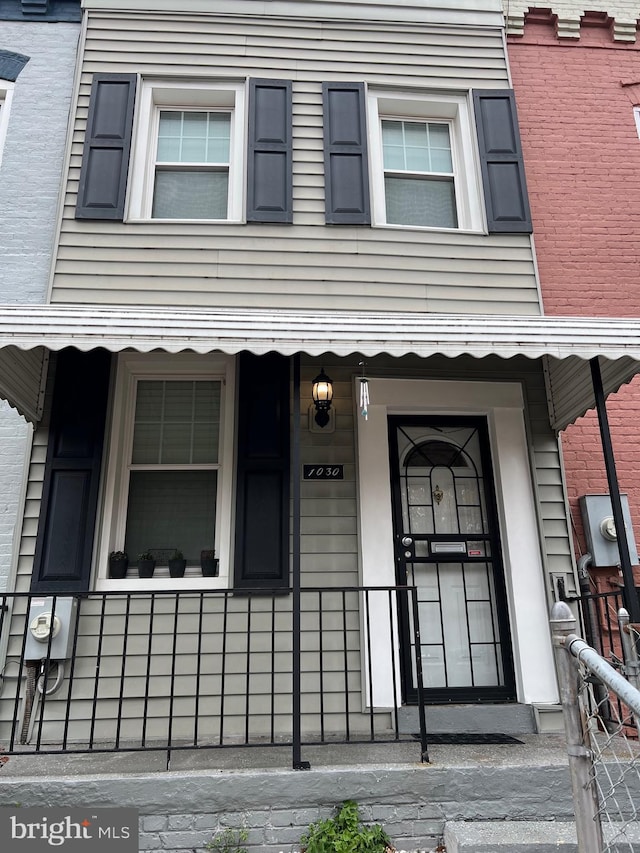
<point x="599" y="612"/>
<point x="189" y="669"/>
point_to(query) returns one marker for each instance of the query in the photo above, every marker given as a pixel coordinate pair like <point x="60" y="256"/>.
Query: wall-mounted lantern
<point x="322" y="394"/>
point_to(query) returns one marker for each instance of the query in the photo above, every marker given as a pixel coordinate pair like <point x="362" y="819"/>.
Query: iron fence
<point x="189" y="669"/>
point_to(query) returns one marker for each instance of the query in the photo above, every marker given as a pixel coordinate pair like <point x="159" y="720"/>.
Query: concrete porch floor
<point x="535" y="750"/>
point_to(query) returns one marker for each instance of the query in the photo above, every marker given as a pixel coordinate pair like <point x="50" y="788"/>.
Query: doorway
<point x="447" y="545"/>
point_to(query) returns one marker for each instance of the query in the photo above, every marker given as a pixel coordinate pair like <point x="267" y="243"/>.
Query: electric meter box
<point x="600" y="531"/>
<point x="46" y="621"/>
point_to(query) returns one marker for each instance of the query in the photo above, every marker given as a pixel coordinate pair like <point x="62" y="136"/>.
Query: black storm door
<point x="447" y="545"/>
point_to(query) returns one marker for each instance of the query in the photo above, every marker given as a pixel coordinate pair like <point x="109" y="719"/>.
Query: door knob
<point x="406" y="541"/>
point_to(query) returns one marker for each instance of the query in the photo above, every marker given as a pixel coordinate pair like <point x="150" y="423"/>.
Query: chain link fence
<point x="601" y="712"/>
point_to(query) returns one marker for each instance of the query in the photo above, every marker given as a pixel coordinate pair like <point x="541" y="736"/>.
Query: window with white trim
<point x="188" y="161"/>
<point x="423" y="162"/>
<point x="6" y="92"/>
<point x="168" y="485"/>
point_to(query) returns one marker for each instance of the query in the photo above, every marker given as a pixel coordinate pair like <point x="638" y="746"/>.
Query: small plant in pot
<point x="118" y="564"/>
<point x="177" y="564"/>
<point x="146" y="564"/>
<point x="209" y="563"/>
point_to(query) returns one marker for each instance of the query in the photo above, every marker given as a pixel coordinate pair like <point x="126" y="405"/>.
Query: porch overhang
<point x="564" y="344"/>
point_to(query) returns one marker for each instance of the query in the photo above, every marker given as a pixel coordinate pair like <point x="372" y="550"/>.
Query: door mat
<point x="468" y="738"/>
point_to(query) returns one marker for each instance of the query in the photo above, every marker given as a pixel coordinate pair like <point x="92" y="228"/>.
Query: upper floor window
<point x="201" y="151"/>
<point x="423" y="170"/>
<point x="192" y="165"/>
<point x="418" y="173"/>
<point x="188" y="155"/>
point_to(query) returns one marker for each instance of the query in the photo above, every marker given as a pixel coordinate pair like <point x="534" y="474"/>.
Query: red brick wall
<point x="582" y="154"/>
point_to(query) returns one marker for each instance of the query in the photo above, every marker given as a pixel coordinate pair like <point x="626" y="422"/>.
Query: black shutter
<point x="269" y="162"/>
<point x="72" y="473"/>
<point x="262" y="502"/>
<point x="505" y="187"/>
<point x="346" y="171"/>
<point x="105" y="159"/>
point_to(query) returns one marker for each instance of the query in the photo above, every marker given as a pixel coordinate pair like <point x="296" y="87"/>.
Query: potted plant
<point x="146" y="564"/>
<point x="209" y="563"/>
<point x="118" y="564"/>
<point x="177" y="564"/>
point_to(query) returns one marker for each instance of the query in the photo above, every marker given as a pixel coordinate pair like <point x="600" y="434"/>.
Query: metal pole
<point x="298" y="763"/>
<point x="629" y="592"/>
<point x="630" y="655"/>
<point x="585" y="798"/>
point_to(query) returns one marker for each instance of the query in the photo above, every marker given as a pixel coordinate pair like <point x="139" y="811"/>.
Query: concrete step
<point x="524" y="836"/>
<point x="509" y="719"/>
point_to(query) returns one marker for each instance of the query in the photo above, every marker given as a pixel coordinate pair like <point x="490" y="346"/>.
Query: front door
<point x="447" y="545"/>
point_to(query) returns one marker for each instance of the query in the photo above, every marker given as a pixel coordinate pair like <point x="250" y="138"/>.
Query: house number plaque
<point x="323" y="472"/>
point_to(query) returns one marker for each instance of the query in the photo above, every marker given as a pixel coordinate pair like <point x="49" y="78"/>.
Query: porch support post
<point x="629" y="591"/>
<point x="298" y="763"/>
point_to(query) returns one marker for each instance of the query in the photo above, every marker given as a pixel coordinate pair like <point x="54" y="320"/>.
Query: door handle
<point x="406" y="541"/>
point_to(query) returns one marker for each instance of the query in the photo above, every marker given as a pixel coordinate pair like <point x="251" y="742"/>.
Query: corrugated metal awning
<point x="564" y="343"/>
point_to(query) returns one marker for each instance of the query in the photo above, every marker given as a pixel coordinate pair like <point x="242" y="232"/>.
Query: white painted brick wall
<point x="30" y="177"/>
<point x="33" y="153"/>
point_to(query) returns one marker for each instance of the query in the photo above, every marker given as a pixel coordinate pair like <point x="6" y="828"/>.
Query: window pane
<point x="176" y="422"/>
<point x="146" y="443"/>
<point x="169" y="137"/>
<point x="440" y="145"/>
<point x="393" y="145"/>
<point x="171" y="510"/>
<point x="218" y="138"/>
<point x="190" y="195"/>
<point x="419" y="201"/>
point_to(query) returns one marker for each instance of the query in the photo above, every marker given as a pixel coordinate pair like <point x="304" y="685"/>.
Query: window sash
<point x="188" y="186"/>
<point x="169" y="510"/>
<point x="166" y="97"/>
<point x="416" y="192"/>
<point x="460" y="176"/>
<point x="176" y="423"/>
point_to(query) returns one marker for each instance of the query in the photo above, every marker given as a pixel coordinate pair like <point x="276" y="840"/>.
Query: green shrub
<point x="345" y="833"/>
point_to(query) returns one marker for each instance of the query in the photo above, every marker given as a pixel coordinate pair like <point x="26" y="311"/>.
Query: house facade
<point x="586" y="209"/>
<point x="38" y="47"/>
<point x="258" y="200"/>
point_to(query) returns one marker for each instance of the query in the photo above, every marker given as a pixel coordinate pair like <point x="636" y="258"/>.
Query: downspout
<point x="630" y="595"/>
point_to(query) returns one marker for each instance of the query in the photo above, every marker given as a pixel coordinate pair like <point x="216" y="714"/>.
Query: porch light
<point x="322" y="393"/>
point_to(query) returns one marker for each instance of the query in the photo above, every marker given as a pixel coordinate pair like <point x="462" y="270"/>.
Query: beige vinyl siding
<point x="329" y="559"/>
<point x="307" y="265"/>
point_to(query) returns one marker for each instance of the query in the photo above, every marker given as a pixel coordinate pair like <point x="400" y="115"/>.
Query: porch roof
<point x="565" y="344"/>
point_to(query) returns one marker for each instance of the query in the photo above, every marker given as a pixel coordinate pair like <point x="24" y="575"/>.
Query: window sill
<point x="160" y="584"/>
<point x="429" y="228"/>
<point x="154" y="220"/>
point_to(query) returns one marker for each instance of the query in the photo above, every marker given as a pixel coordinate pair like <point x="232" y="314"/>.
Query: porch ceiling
<point x="565" y="344"/>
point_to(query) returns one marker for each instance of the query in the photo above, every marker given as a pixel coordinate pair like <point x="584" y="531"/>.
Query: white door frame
<point x="503" y="405"/>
